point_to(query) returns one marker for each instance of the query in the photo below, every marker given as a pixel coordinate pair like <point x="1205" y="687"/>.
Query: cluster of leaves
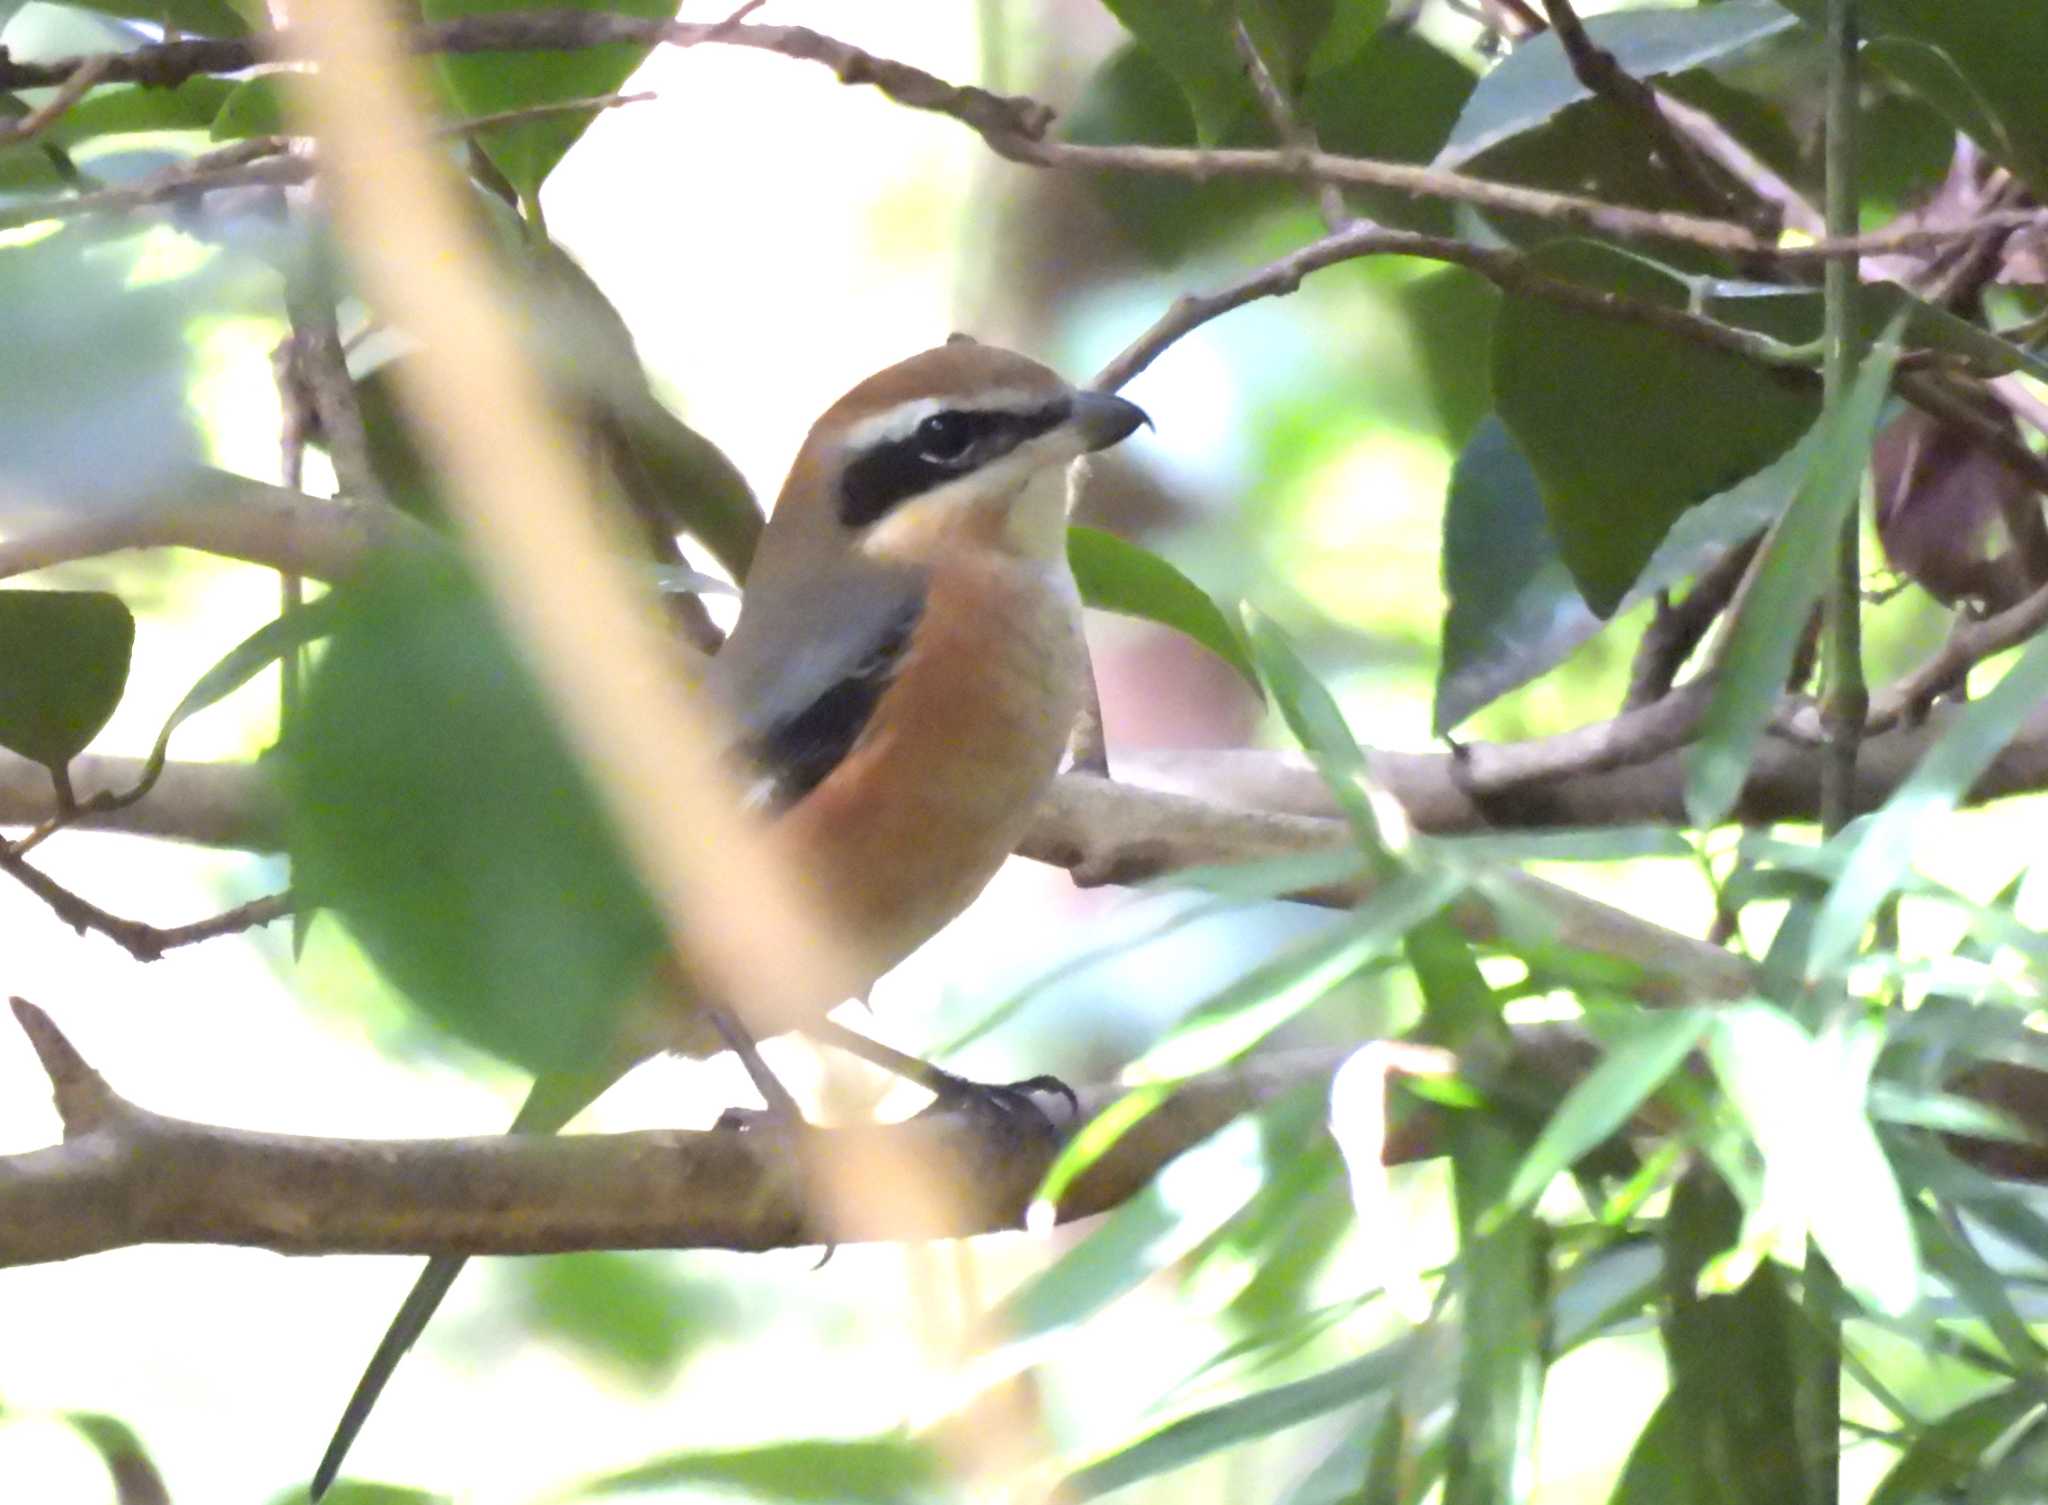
<point x="433" y="803"/>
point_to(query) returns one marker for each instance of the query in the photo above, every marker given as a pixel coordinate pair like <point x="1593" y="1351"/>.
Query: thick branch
<point x="127" y="1176"/>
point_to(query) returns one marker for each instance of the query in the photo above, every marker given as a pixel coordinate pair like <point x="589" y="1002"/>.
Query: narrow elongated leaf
<point x="887" y="1470"/>
<point x="1501" y="1274"/>
<point x="1885" y="842"/>
<point x="1803" y="1101"/>
<point x="1118" y="576"/>
<point x="1188" y="1200"/>
<point x="1312" y="715"/>
<point x="240" y="664"/>
<point x="63" y="666"/>
<point x="1950" y="1451"/>
<point x="1259" y="1415"/>
<point x="1794" y="569"/>
<point x="127" y="108"/>
<point x="1601" y="1102"/>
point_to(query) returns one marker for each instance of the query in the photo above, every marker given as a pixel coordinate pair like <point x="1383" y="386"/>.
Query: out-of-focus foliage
<point x="1769" y="1189"/>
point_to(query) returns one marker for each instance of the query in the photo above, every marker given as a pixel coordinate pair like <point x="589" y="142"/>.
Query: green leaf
<point x="354" y="1492"/>
<point x="889" y="1469"/>
<point x="133" y="1471"/>
<point x="486" y="83"/>
<point x="1633" y="1066"/>
<point x="1726" y="1434"/>
<point x="432" y="803"/>
<point x="1261" y="1414"/>
<point x="1945" y="1455"/>
<point x="254" y="107"/>
<point x="199" y="18"/>
<point x="1191" y="40"/>
<point x="1535" y="81"/>
<point x="1884" y="843"/>
<point x="125" y="109"/>
<point x="636" y="1313"/>
<point x="240" y="664"/>
<point x="92" y="387"/>
<point x="1803" y="1101"/>
<point x="1134" y="582"/>
<point x="1190" y="1198"/>
<point x="1789" y="581"/>
<point x="1588" y="398"/>
<point x="1311" y="713"/>
<point x="63" y="665"/>
<point x="1999" y="53"/>
<point x="1514" y="610"/>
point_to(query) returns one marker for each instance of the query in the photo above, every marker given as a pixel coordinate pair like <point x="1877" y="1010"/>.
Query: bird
<point x="900" y="685"/>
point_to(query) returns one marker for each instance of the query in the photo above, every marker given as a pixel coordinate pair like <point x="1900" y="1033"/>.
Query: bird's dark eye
<point x="945" y="437"/>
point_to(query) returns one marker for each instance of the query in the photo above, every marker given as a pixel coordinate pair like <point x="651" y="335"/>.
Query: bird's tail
<point x="554" y="1100"/>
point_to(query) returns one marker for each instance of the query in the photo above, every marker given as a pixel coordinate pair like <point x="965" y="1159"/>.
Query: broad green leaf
<point x="1999" y="52"/>
<point x="1795" y="315"/>
<point x="1191" y="40"/>
<point x="434" y="806"/>
<point x="123" y="109"/>
<point x="1789" y="581"/>
<point x="486" y="83"/>
<point x="889" y="1469"/>
<point x="1726" y="1434"/>
<point x="63" y="665"/>
<point x="92" y="386"/>
<point x="1948" y="1453"/>
<point x="1633" y="1066"/>
<point x="1884" y="843"/>
<point x="255" y="107"/>
<point x="1513" y="608"/>
<point x="636" y="1314"/>
<point x="1516" y="613"/>
<point x="199" y="18"/>
<point x="1534" y="82"/>
<point x="1261" y="1414"/>
<point x="1803" y="1100"/>
<point x="1311" y="713"/>
<point x="1122" y="577"/>
<point x="1132" y="100"/>
<point x="1587" y="399"/>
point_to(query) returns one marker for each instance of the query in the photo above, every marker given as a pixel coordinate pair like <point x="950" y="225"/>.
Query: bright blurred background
<point x="771" y="236"/>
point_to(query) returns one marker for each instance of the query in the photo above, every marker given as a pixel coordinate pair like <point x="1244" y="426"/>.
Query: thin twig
<point x="81" y="79"/>
<point x="1596" y="68"/>
<point x="1014" y="127"/>
<point x="1295" y="134"/>
<point x="1670" y="640"/>
<point x="146" y="943"/>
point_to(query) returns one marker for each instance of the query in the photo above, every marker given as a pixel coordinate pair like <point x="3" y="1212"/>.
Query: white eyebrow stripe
<point x="901" y="421"/>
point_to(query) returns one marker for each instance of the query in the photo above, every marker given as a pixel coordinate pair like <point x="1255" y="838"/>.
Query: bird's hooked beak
<point x="1103" y="419"/>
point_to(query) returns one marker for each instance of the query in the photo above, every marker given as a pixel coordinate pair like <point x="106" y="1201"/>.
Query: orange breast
<point x="903" y="834"/>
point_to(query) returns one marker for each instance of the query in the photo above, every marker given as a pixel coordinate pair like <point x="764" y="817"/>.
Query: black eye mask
<point x="944" y="446"/>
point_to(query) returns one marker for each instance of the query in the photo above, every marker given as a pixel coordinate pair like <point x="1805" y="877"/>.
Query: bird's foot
<point x="1011" y="1107"/>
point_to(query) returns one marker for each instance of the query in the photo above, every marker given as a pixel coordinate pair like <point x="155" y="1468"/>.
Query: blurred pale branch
<point x="1014" y="127"/>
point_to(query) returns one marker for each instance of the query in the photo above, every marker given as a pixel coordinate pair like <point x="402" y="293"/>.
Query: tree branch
<point x="126" y="1176"/>
<point x="1013" y="127"/>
